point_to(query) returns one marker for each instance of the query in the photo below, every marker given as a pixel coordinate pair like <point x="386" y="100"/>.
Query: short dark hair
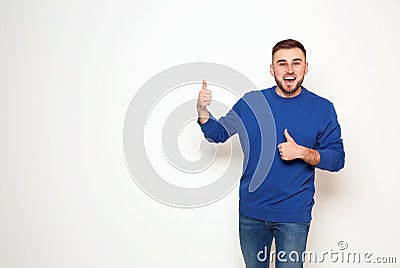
<point x="288" y="44"/>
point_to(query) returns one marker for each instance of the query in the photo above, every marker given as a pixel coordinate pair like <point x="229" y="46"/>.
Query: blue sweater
<point x="284" y="191"/>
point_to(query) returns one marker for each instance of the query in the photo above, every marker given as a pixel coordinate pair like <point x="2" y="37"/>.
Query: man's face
<point x="288" y="68"/>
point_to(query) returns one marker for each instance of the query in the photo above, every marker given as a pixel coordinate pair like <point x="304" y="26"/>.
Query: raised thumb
<point x="204" y="85"/>
<point x="287" y="135"/>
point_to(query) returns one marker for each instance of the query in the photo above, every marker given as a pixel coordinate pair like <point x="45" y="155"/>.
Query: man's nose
<point x="290" y="69"/>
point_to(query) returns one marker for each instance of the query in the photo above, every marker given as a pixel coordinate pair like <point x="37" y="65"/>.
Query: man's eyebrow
<point x="283" y="60"/>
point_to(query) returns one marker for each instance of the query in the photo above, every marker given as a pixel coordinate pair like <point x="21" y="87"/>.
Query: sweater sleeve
<point x="220" y="130"/>
<point x="330" y="144"/>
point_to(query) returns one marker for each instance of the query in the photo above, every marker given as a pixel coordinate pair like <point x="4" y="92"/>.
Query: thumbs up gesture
<point x="204" y="98"/>
<point x="203" y="101"/>
<point x="289" y="150"/>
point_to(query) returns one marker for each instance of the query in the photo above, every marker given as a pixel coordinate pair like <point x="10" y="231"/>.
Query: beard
<point x="289" y="89"/>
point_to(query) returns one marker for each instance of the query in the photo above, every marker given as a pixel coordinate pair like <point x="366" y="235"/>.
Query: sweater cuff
<point x="325" y="159"/>
<point x="210" y="124"/>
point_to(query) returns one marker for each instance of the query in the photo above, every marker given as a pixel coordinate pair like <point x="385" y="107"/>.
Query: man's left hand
<point x="289" y="150"/>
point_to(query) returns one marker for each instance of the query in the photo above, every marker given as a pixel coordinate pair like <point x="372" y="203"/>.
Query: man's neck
<point x="284" y="94"/>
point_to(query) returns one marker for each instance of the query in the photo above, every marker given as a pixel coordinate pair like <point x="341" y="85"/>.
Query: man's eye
<point x="297" y="63"/>
<point x="282" y="64"/>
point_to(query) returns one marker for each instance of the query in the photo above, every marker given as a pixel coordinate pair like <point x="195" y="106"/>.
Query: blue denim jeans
<point x="256" y="239"/>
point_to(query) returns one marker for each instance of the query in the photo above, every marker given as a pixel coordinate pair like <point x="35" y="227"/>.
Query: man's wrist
<point x="301" y="152"/>
<point x="203" y="116"/>
<point x="202" y="120"/>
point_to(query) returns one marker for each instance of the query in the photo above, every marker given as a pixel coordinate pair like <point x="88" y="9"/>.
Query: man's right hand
<point x="203" y="101"/>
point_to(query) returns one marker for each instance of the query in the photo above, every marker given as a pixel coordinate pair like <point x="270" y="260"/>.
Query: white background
<point x="69" y="69"/>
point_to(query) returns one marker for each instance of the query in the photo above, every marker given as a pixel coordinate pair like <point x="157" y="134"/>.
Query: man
<point x="308" y="136"/>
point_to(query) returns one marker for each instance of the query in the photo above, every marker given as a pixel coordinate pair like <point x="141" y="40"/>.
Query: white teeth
<point x="289" y="78"/>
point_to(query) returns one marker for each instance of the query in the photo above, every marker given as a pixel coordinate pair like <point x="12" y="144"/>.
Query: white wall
<point x="69" y="70"/>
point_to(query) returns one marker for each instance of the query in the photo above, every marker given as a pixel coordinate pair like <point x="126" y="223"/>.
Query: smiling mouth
<point x="289" y="79"/>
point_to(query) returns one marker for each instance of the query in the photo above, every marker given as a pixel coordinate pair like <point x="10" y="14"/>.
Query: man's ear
<point x="271" y="69"/>
<point x="306" y="70"/>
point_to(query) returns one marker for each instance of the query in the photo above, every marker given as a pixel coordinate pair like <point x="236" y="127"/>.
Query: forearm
<point x="203" y="115"/>
<point x="310" y="156"/>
